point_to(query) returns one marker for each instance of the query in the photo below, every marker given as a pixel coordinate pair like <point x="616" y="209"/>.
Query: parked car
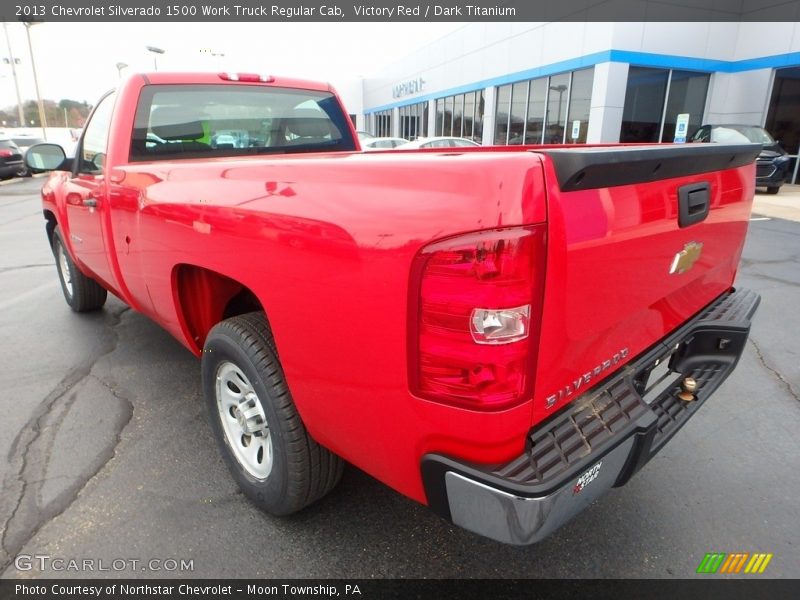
<point x="11" y="162"/>
<point x="439" y="142"/>
<point x="24" y="142"/>
<point x="460" y="325"/>
<point x="382" y="143"/>
<point x="773" y="163"/>
<point x="364" y="135"/>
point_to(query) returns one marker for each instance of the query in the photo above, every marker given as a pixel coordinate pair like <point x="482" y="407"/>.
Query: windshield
<point x="191" y="121"/>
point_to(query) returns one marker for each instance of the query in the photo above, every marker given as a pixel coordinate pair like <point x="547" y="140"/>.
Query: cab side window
<point x="95" y="139"/>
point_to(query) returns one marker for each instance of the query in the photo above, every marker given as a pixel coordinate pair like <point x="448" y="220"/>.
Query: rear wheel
<point x="258" y="430"/>
<point x="773" y="189"/>
<point x="82" y="293"/>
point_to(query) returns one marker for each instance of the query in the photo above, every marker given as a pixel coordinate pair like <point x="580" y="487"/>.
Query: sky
<point x="78" y="60"/>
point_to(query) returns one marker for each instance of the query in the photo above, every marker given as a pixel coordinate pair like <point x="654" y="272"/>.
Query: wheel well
<point x="204" y="298"/>
<point x="50" y="225"/>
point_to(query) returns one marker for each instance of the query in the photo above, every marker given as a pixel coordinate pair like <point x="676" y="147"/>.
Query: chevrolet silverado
<point x="500" y="333"/>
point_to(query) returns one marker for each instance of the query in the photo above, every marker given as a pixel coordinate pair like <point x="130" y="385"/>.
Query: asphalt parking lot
<point x="105" y="453"/>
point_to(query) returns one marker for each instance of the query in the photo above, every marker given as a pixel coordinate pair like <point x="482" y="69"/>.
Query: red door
<point x="86" y="195"/>
<point x="86" y="203"/>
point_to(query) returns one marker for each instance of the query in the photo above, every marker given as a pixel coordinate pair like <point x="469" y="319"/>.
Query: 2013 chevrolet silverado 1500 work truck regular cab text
<point x="500" y="333"/>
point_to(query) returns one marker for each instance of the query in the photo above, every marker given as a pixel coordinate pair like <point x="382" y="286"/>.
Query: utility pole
<point x="42" y="116"/>
<point x="12" y="61"/>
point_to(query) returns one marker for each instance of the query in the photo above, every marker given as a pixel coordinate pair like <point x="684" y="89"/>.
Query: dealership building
<point x="564" y="82"/>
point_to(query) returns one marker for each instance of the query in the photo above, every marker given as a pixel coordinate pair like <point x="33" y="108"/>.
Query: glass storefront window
<point x="535" y="111"/>
<point x="469" y="115"/>
<point x="534" y="126"/>
<point x="413" y="120"/>
<point x="644" y="105"/>
<point x="783" y="116"/>
<point x="501" y="115"/>
<point x="519" y="102"/>
<point x="556" y="115"/>
<point x="580" y="100"/>
<point x="644" y="118"/>
<point x="687" y="94"/>
<point x="382" y="123"/>
<point x="477" y="130"/>
<point x="458" y="114"/>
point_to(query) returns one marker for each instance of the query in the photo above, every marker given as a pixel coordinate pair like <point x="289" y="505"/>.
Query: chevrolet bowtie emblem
<point x="685" y="259"/>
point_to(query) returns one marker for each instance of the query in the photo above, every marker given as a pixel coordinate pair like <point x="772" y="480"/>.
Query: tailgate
<point x="640" y="239"/>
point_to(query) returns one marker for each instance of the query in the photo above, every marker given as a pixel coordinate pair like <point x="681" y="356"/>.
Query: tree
<point x="76" y="113"/>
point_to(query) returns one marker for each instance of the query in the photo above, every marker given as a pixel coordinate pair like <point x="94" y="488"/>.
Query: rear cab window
<point x="193" y="121"/>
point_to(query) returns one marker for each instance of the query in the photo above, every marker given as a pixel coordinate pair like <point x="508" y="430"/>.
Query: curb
<point x="10" y="181"/>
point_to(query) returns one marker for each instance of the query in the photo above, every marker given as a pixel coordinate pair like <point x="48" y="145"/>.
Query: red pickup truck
<point x="500" y="333"/>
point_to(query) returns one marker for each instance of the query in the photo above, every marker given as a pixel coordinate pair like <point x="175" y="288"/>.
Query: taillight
<point x="5" y="153"/>
<point x="474" y="309"/>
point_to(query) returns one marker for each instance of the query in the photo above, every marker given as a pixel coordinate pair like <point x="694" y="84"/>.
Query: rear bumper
<point x="10" y="169"/>
<point x="597" y="442"/>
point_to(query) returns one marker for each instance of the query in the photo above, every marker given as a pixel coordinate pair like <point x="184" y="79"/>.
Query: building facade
<point x="515" y="83"/>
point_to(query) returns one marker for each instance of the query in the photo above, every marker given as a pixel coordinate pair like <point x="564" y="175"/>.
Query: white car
<point x="382" y="143"/>
<point x="439" y="142"/>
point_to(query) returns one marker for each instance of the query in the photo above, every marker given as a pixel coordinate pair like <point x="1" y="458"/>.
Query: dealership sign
<point x="406" y="88"/>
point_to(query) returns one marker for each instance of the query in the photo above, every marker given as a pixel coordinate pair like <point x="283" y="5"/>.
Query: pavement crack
<point x="23" y="267"/>
<point x="30" y="453"/>
<point x="780" y="280"/>
<point x="775" y="372"/>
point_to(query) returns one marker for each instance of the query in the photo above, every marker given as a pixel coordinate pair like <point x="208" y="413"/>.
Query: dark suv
<point x="10" y="159"/>
<point x="772" y="165"/>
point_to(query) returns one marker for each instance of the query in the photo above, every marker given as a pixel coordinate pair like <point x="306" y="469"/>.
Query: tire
<point x="773" y="189"/>
<point x="263" y="441"/>
<point x="82" y="293"/>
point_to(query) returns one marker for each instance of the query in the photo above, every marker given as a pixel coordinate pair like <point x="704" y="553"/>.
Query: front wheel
<point x="773" y="189"/>
<point x="258" y="430"/>
<point x="82" y="293"/>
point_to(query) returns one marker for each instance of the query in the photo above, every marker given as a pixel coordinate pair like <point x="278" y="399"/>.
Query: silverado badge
<point x="685" y="259"/>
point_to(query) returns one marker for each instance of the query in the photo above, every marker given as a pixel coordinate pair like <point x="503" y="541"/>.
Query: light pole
<point x="13" y="62"/>
<point x="156" y="51"/>
<point x="42" y="116"/>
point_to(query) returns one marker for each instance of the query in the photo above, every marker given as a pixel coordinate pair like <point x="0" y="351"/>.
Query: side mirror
<point x="45" y="157"/>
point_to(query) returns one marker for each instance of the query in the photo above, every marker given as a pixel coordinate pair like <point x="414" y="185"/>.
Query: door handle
<point x="90" y="202"/>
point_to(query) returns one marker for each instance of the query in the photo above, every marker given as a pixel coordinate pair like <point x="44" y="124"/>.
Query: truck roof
<point x="166" y="78"/>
